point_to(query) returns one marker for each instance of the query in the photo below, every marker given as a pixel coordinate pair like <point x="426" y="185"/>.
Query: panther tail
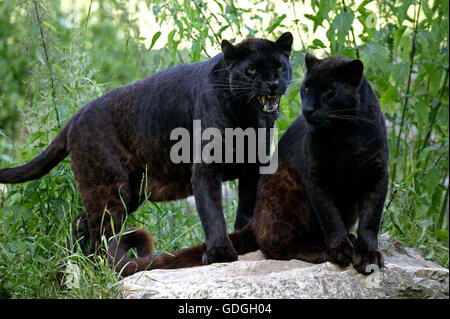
<point x="40" y="165"/>
<point x="243" y="241"/>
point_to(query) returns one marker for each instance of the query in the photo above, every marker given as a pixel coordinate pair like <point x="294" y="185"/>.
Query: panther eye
<point x="281" y="68"/>
<point x="329" y="91"/>
<point x="251" y="71"/>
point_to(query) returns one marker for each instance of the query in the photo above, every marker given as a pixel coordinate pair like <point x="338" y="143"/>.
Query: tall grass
<point x="52" y="62"/>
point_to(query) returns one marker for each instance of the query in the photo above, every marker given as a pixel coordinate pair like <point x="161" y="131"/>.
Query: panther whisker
<point x="351" y="118"/>
<point x="240" y="73"/>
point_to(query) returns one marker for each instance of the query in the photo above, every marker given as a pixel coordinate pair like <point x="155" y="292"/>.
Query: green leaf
<point x="155" y="10"/>
<point x="398" y="36"/>
<point x="442" y="234"/>
<point x="41" y="259"/>
<point x="196" y="49"/>
<point x="276" y="23"/>
<point x="318" y="43"/>
<point x="339" y="29"/>
<point x="18" y="246"/>
<point x="421" y="111"/>
<point x="220" y="5"/>
<point x="402" y="12"/>
<point x="250" y="31"/>
<point x="154" y="39"/>
<point x="430" y="255"/>
<point x="318" y="20"/>
<point x="180" y="27"/>
<point x="424" y="153"/>
<point x="310" y="17"/>
<point x="389" y="97"/>
<point x="230" y="9"/>
<point x="376" y="55"/>
<point x="5" y="136"/>
<point x="427" y="10"/>
<point x="39" y="56"/>
<point x="432" y="179"/>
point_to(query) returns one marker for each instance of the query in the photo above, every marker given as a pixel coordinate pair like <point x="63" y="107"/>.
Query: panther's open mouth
<point x="269" y="103"/>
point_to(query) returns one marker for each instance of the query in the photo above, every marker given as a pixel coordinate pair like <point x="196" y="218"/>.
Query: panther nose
<point x="307" y="111"/>
<point x="273" y="85"/>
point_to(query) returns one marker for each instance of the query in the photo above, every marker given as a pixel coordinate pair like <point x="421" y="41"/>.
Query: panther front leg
<point x="337" y="241"/>
<point x="248" y="184"/>
<point x="366" y="250"/>
<point x="208" y="199"/>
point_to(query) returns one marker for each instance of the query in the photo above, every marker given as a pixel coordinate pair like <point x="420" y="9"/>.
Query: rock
<point x="406" y="275"/>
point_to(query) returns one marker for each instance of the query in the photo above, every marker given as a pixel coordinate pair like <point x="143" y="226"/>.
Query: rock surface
<point x="406" y="275"/>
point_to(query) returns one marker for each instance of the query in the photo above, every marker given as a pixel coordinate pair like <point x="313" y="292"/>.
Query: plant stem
<point x="296" y="24"/>
<point x="207" y="21"/>
<point x="48" y="63"/>
<point x="440" y="220"/>
<point x="408" y="87"/>
<point x="85" y="30"/>
<point x="417" y="145"/>
<point x="434" y="114"/>
<point x="352" y="33"/>
<point x="392" y="198"/>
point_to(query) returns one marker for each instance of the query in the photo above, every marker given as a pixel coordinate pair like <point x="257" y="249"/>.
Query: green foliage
<point x="13" y="70"/>
<point x="56" y="56"/>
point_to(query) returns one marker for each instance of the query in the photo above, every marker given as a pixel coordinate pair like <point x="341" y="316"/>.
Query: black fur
<point x="344" y="158"/>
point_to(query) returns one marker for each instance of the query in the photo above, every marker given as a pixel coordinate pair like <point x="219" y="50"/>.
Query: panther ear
<point x="310" y="60"/>
<point x="285" y="42"/>
<point x="229" y="51"/>
<point x="352" y="72"/>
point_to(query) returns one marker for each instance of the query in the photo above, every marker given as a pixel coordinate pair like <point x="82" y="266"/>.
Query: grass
<point x="35" y="221"/>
